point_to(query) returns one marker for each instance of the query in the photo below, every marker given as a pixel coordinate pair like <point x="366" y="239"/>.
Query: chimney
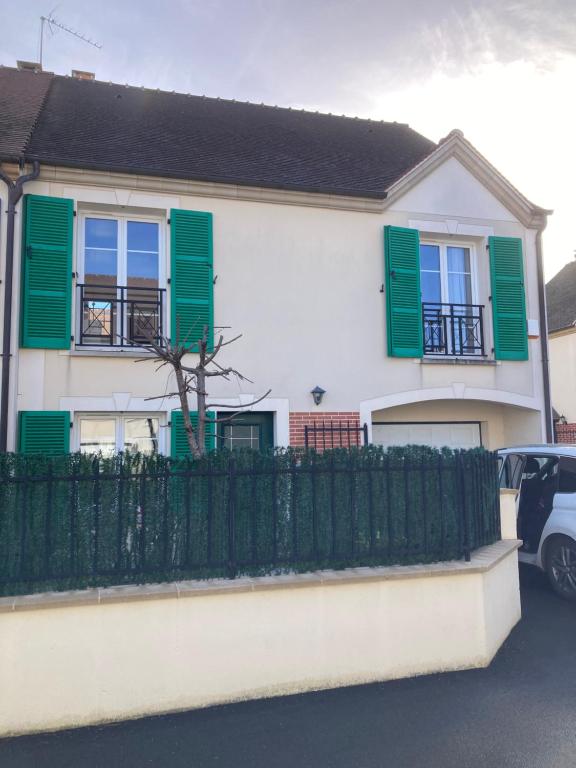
<point x="29" y="66"/>
<point x="80" y="74"/>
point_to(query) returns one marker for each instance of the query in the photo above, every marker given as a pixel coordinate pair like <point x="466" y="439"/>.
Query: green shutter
<point x="192" y="294"/>
<point x="178" y="441"/>
<point x="45" y="432"/>
<point x="46" y="272"/>
<point x="403" y="300"/>
<point x="508" y="299"/>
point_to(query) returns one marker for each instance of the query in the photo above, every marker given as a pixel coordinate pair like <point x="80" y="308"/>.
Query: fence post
<point x="120" y="522"/>
<point x="96" y="504"/>
<point x="294" y="506"/>
<point x="48" y="521"/>
<point x="165" y="510"/>
<point x="73" y="520"/>
<point x="231" y="519"/>
<point x="463" y="508"/>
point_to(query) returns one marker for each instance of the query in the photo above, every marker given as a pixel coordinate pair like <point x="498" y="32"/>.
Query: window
<point x="235" y="436"/>
<point x="452" y="322"/>
<point x="120" y="281"/>
<point x="247" y="430"/>
<point x="446" y="273"/>
<point x="567" y="483"/>
<point x="108" y="433"/>
<point x="510" y="470"/>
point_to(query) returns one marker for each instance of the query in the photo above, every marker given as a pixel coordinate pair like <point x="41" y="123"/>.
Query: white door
<point x="435" y="434"/>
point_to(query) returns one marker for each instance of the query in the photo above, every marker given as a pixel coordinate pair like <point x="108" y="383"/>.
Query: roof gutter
<point x="15" y="191"/>
<point x="544" y="337"/>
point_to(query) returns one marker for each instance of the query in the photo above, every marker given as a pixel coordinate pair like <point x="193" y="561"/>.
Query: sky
<point x="502" y="71"/>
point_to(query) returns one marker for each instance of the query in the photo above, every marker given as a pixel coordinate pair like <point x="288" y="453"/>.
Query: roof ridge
<point x="221" y="99"/>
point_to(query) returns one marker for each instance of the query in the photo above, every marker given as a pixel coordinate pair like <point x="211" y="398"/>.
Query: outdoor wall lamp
<point x="318" y="393"/>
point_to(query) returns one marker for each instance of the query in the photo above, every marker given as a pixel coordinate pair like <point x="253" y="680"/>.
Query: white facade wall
<point x="302" y="284"/>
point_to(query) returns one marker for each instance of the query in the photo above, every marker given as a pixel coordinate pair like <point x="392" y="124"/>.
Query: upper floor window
<point x="452" y="321"/>
<point x="121" y="287"/>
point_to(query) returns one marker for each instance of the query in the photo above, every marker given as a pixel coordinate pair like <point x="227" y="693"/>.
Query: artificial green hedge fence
<point x="78" y="521"/>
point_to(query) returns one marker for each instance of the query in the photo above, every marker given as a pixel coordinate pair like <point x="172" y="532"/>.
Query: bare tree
<point x="193" y="379"/>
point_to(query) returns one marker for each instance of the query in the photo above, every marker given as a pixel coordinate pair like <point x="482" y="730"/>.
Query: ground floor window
<point x="246" y="430"/>
<point x="110" y="433"/>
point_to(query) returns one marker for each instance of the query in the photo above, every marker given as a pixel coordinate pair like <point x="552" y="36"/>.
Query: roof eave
<point x="136" y="171"/>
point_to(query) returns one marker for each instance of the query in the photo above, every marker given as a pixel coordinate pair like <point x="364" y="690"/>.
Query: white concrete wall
<point x="79" y="658"/>
<point x="302" y="284"/>
<point x="562" y="352"/>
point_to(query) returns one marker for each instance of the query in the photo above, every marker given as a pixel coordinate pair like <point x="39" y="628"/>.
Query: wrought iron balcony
<point x="119" y="316"/>
<point x="453" y="329"/>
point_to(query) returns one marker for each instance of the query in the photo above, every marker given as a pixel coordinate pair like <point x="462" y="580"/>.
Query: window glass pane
<point x="100" y="266"/>
<point x="511" y="468"/>
<point x="458" y="259"/>
<point x="142" y="256"/>
<point x="430" y="257"/>
<point x="101" y="233"/>
<point x="241" y="436"/>
<point x="459" y="289"/>
<point x="142" y="236"/>
<point x="101" y="253"/>
<point x="567" y="475"/>
<point x="98" y="435"/>
<point x="141" y="435"/>
<point x="430" y="287"/>
<point x="142" y="269"/>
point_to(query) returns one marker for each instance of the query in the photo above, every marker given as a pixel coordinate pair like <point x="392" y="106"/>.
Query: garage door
<point x="435" y="434"/>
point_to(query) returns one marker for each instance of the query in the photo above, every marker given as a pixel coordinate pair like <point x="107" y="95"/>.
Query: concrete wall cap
<point x="482" y="560"/>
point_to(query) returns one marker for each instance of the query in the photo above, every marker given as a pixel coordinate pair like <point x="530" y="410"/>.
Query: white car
<point x="546" y="478"/>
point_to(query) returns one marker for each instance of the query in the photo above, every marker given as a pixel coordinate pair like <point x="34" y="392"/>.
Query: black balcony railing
<point x="119" y="316"/>
<point x="453" y="329"/>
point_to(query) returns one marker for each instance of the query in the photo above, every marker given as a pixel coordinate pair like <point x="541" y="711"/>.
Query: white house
<point x="404" y="278"/>
<point x="561" y="309"/>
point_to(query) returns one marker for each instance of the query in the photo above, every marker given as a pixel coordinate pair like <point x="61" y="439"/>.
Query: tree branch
<point x="236" y="407"/>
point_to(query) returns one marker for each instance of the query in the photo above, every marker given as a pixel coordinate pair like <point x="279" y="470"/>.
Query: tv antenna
<point x="51" y="22"/>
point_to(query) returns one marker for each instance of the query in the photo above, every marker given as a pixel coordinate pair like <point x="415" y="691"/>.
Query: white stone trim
<point x="450" y="227"/>
<point x="455" y="145"/>
<point x="166" y="186"/>
<point x="456" y="391"/>
<point x="118" y="401"/>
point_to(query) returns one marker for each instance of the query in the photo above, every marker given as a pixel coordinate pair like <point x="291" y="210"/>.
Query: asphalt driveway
<point x="519" y="712"/>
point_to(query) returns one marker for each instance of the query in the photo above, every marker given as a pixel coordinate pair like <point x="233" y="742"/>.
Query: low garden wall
<point x="70" y="659"/>
<point x="240" y="576"/>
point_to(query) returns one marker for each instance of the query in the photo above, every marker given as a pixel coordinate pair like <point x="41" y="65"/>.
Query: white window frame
<point x="119" y="419"/>
<point x="121" y="217"/>
<point x="443" y="246"/>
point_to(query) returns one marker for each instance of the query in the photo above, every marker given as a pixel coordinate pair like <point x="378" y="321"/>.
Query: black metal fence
<point x="117" y="316"/>
<point x="340" y="434"/>
<point x="76" y="521"/>
<point x="453" y="329"/>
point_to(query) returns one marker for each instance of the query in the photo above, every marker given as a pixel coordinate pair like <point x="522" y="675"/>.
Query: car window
<point x="567" y="483"/>
<point x="511" y="467"/>
<point x="541" y="467"/>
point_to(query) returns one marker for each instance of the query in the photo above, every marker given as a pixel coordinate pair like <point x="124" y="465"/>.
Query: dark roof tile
<point x="96" y="125"/>
<point x="21" y="96"/>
